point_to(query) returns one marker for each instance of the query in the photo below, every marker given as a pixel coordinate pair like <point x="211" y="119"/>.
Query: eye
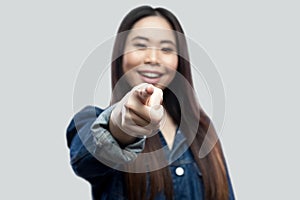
<point x="140" y="46"/>
<point x="167" y="49"/>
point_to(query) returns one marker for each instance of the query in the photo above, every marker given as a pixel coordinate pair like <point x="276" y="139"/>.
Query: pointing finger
<point x="145" y="93"/>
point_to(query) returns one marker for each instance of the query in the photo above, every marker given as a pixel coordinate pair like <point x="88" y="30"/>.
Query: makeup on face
<point x="150" y="53"/>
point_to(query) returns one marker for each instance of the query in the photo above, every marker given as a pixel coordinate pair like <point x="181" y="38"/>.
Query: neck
<point x="168" y="130"/>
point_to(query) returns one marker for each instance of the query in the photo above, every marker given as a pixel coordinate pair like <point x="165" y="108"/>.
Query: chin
<point x="159" y="86"/>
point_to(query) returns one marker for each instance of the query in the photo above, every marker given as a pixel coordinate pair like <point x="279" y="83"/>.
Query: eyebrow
<point x="139" y="38"/>
<point x="147" y="39"/>
<point x="168" y="42"/>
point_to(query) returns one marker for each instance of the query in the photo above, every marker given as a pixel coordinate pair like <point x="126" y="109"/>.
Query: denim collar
<point x="179" y="146"/>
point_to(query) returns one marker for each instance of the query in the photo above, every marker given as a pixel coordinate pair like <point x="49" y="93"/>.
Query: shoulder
<point x="86" y="115"/>
<point x="88" y="111"/>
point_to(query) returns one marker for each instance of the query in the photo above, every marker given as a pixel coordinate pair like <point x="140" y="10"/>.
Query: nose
<point x="152" y="56"/>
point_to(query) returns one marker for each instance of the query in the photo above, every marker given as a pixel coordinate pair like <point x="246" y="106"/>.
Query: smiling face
<point x="150" y="54"/>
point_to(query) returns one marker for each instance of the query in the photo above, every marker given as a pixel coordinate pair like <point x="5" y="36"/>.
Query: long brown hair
<point x="213" y="165"/>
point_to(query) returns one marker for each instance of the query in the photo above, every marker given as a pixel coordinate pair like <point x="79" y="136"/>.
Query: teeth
<point x="150" y="75"/>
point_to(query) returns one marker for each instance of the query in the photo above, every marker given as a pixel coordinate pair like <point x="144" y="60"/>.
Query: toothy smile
<point x="150" y="74"/>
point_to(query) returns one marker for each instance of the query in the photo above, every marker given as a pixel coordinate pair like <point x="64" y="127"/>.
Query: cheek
<point x="171" y="62"/>
<point x="131" y="60"/>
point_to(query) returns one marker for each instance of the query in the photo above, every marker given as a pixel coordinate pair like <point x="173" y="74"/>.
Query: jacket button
<point x="179" y="171"/>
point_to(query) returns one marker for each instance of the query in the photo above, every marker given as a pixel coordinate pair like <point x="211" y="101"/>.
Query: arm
<point x="97" y="151"/>
<point x="93" y="150"/>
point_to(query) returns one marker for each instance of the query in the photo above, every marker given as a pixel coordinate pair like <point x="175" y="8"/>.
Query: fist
<point x="140" y="112"/>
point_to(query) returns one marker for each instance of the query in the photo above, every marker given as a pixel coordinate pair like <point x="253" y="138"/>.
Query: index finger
<point x="145" y="93"/>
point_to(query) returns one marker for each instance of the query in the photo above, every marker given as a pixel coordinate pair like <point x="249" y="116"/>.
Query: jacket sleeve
<point x="93" y="150"/>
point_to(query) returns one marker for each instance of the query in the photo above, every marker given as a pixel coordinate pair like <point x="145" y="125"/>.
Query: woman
<point x="146" y="144"/>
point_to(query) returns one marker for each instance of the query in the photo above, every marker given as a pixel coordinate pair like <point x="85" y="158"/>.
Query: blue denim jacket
<point x="90" y="141"/>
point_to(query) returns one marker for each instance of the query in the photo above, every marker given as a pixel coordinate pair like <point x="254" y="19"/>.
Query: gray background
<point x="254" y="44"/>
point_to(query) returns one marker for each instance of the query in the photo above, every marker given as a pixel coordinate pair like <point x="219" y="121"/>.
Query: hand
<point x="138" y="114"/>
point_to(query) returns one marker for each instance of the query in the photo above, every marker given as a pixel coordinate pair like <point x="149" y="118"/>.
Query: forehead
<point x="153" y="27"/>
<point x="152" y="22"/>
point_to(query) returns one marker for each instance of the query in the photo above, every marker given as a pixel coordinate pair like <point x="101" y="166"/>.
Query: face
<point x="150" y="54"/>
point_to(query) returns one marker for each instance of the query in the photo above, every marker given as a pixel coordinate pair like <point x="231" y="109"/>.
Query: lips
<point x="151" y="77"/>
<point x="148" y="74"/>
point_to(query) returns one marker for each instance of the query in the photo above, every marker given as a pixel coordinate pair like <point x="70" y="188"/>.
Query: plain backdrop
<point x="254" y="44"/>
